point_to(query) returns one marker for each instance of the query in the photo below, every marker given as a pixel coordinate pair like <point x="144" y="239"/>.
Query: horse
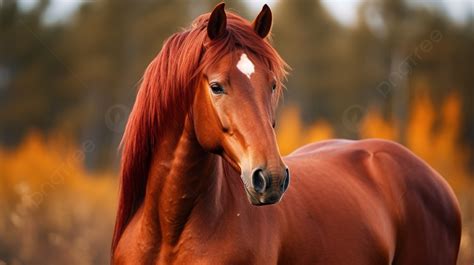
<point x="199" y="155"/>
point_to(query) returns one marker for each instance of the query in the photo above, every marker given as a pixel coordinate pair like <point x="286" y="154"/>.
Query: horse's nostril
<point x="259" y="181"/>
<point x="286" y="181"/>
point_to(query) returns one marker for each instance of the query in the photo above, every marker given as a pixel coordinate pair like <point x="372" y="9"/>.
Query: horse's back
<point x="398" y="200"/>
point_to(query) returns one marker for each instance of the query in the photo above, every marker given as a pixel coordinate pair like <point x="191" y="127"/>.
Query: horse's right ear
<point x="217" y="24"/>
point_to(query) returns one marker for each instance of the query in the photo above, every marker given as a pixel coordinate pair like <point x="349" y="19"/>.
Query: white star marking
<point x="245" y="65"/>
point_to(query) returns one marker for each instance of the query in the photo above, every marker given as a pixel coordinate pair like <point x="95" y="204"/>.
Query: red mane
<point x="168" y="88"/>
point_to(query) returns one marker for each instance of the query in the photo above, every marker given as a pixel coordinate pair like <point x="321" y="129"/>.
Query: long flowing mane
<point x="167" y="89"/>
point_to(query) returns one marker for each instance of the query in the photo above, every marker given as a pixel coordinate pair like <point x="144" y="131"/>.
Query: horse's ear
<point x="263" y="23"/>
<point x="216" y="26"/>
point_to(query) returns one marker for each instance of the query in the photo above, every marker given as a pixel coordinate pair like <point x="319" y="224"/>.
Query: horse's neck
<point x="181" y="175"/>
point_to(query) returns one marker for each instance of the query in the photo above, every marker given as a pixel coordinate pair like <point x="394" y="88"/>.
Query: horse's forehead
<point x="241" y="68"/>
<point x="248" y="67"/>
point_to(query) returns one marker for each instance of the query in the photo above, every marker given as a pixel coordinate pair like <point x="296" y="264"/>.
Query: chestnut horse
<point x="199" y="146"/>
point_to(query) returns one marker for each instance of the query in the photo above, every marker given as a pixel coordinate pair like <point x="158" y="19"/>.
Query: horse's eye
<point x="216" y="88"/>
<point x="274" y="86"/>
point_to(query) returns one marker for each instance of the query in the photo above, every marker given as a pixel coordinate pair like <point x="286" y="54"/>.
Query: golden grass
<point x="52" y="210"/>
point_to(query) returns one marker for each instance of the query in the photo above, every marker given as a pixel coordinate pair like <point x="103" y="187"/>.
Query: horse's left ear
<point x="263" y="23"/>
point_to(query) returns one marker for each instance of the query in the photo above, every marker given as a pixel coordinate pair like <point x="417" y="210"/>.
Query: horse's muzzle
<point x="267" y="187"/>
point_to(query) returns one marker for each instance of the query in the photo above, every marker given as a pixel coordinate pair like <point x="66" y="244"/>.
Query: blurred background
<point x="69" y="71"/>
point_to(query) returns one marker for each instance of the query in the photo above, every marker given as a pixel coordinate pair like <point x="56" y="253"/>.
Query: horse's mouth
<point x="262" y="200"/>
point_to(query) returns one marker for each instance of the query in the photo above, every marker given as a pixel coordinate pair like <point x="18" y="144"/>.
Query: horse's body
<point x="350" y="202"/>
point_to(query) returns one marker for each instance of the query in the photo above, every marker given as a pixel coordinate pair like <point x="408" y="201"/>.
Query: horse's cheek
<point x="205" y="129"/>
